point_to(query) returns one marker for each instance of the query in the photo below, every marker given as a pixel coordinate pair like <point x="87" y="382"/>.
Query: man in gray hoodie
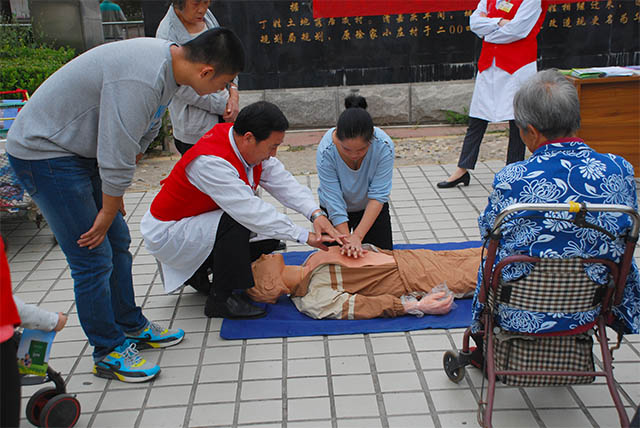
<point x="74" y="147"/>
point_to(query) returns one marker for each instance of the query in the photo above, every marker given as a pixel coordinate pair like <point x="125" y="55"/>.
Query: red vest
<point x="511" y="56"/>
<point x="8" y="311"/>
<point x="178" y="198"/>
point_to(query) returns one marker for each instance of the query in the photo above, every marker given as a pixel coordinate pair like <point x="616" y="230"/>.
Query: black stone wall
<point x="287" y="48"/>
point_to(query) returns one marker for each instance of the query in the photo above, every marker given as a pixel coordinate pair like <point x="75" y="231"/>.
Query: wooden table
<point x="610" y="115"/>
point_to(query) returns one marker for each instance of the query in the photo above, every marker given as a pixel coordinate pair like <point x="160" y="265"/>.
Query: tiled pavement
<point x="373" y="380"/>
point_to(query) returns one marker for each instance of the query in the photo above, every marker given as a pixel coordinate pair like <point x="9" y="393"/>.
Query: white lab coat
<point x="182" y="246"/>
<point x="494" y="89"/>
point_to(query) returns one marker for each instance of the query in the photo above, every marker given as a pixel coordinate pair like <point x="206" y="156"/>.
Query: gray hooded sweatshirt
<point x="105" y="104"/>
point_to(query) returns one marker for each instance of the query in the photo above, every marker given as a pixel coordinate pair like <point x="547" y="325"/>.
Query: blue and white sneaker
<point x="124" y="363"/>
<point x="156" y="336"/>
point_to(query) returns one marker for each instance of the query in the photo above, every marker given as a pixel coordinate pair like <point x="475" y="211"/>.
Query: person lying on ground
<point x="378" y="284"/>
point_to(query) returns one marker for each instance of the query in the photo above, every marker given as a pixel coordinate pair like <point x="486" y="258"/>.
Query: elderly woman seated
<point x="378" y="284"/>
<point x="562" y="168"/>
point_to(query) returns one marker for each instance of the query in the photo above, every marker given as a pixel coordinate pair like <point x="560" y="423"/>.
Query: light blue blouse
<point x="343" y="189"/>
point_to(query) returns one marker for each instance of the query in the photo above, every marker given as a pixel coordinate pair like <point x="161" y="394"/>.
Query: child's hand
<point x="62" y="321"/>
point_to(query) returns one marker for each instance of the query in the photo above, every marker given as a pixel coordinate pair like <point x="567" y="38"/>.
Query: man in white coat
<point x="208" y="209"/>
<point x="509" y="51"/>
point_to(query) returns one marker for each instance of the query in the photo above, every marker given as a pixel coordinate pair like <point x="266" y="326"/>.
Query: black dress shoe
<point x="464" y="179"/>
<point x="235" y="307"/>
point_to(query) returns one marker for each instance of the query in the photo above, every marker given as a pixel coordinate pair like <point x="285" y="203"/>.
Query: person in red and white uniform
<point x="509" y="51"/>
<point x="208" y="209"/>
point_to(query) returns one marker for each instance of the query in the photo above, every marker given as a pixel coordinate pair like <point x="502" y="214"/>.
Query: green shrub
<point x="25" y="64"/>
<point x="455" y="118"/>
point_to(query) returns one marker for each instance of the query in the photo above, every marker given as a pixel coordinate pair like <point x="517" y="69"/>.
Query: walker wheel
<point x="37" y="402"/>
<point x="63" y="410"/>
<point x="448" y="361"/>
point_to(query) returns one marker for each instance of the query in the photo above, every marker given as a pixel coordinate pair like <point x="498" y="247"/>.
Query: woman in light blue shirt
<point x="355" y="167"/>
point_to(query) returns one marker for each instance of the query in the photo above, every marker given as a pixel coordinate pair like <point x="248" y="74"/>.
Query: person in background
<point x="76" y="163"/>
<point x="111" y="12"/>
<point x="508" y="58"/>
<point x="192" y="115"/>
<point x="355" y="167"/>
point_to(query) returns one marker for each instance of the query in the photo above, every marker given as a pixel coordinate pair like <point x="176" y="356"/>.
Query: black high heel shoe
<point x="464" y="179"/>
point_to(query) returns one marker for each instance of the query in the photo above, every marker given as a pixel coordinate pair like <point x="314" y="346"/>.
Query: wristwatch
<point x="317" y="214"/>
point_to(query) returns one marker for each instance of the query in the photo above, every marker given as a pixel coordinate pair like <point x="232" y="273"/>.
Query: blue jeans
<point x="68" y="192"/>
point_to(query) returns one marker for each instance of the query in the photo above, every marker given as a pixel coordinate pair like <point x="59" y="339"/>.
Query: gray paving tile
<point x="608" y="416"/>
<point x="306" y="367"/>
<point x="308" y="408"/>
<point x="425" y="421"/>
<point x="455" y="400"/>
<point x="263" y="352"/>
<point x="168" y="396"/>
<point x="356" y="406"/>
<point x="180" y="356"/>
<point x="123" y="400"/>
<point x="394" y="362"/>
<point x="176" y="376"/>
<point x="359" y="423"/>
<point x="431" y="342"/>
<point x="305" y="349"/>
<point x="161" y="418"/>
<point x="392" y="344"/>
<point x="396" y="382"/>
<point x="261" y="389"/>
<point x="402" y="403"/>
<point x="353" y="384"/>
<point x="211" y="415"/>
<point x="509" y="399"/>
<point x="308" y="424"/>
<point x="307" y="387"/>
<point x="227" y="354"/>
<point x="547" y="397"/>
<point x="216" y="392"/>
<point x="566" y="418"/>
<point x="262" y="370"/>
<point x="117" y="419"/>
<point x="458" y="419"/>
<point x="349" y="365"/>
<point x="260" y="411"/>
<point x="430" y="360"/>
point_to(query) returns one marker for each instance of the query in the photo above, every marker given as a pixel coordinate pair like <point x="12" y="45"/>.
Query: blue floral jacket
<point x="558" y="172"/>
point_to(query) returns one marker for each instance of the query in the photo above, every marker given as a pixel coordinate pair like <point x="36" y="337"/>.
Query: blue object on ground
<point x="284" y="320"/>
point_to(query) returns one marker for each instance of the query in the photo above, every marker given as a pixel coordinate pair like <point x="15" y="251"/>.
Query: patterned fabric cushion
<point x="554" y="285"/>
<point x="522" y="352"/>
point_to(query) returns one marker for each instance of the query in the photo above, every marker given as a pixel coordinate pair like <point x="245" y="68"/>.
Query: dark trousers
<point x="182" y="147"/>
<point x="473" y="139"/>
<point x="9" y="385"/>
<point x="380" y="232"/>
<point x="231" y="258"/>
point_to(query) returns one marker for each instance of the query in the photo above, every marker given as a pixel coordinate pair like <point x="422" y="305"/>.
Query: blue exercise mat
<point x="284" y="320"/>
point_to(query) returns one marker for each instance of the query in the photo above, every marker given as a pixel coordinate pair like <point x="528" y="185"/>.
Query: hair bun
<point x="355" y="101"/>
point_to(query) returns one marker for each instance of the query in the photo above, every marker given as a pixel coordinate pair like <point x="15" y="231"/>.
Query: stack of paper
<point x="614" y="71"/>
<point x="587" y="73"/>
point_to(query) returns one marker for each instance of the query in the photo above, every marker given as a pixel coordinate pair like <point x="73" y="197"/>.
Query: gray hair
<point x="549" y="102"/>
<point x="179" y="4"/>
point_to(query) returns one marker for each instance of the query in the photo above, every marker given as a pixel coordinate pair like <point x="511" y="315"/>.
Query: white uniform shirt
<point x="182" y="246"/>
<point x="494" y="89"/>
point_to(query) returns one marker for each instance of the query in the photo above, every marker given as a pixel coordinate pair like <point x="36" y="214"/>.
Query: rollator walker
<point x="555" y="285"/>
